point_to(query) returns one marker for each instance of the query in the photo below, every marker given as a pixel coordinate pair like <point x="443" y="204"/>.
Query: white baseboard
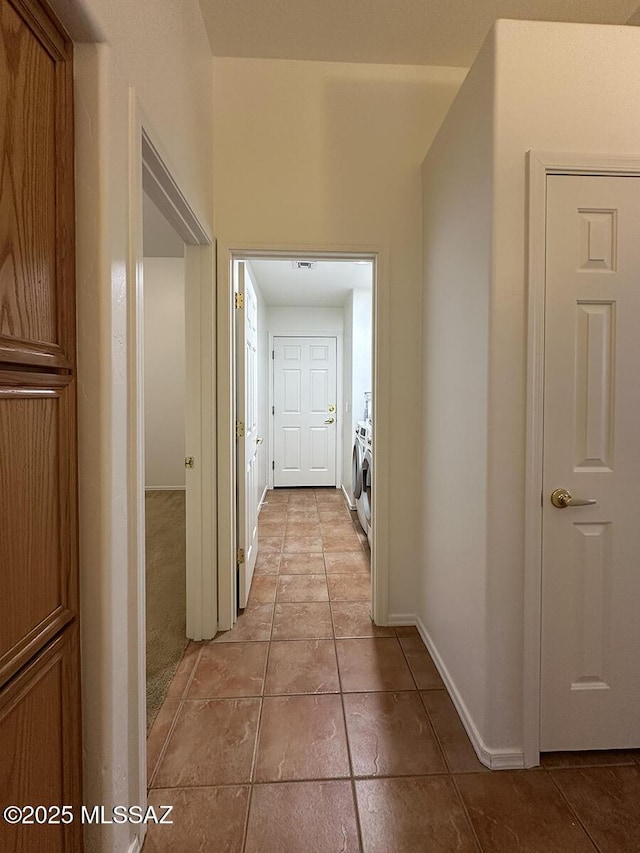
<point x="494" y="759"/>
<point x="350" y="504"/>
<point x="398" y="620"/>
<point x="262" y="499"/>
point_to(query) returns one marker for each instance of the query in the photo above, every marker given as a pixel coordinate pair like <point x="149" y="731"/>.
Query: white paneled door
<point x="305" y="411"/>
<point x="590" y="682"/>
<point x="248" y="440"/>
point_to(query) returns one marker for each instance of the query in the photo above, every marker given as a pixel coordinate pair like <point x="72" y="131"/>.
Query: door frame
<point x="540" y="165"/>
<point x="228" y="252"/>
<point x="338" y="336"/>
<point x="148" y="172"/>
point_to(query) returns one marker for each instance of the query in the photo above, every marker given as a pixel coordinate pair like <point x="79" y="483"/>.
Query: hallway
<point x="307" y="728"/>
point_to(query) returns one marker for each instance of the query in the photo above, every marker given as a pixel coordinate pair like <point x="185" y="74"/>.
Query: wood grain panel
<point x="38" y="563"/>
<point x="40" y="747"/>
<point x="36" y="182"/>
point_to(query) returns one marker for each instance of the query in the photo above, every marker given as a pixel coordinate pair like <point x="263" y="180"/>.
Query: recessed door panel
<point x="37" y="557"/>
<point x="591" y="575"/>
<point x="292" y="384"/>
<point x="598" y="240"/>
<point x="40" y="748"/>
<point x="319" y="403"/>
<point x="36" y="269"/>
<point x="319" y="444"/>
<point x="595" y="348"/>
<point x="292" y="449"/>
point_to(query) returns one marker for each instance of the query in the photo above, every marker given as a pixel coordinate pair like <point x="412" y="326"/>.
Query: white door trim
<point x="540" y="165"/>
<point x="339" y="391"/>
<point x="147" y="171"/>
<point x="227" y="253"/>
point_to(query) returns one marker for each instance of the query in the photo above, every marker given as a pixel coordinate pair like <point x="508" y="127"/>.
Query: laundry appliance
<point x="362" y="474"/>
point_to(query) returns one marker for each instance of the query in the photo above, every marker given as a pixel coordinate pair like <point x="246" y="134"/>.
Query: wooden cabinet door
<point x="40" y="756"/>
<point x="36" y="176"/>
<point x="40" y="749"/>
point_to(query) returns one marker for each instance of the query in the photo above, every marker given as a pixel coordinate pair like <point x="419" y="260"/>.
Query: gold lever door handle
<point x="330" y="421"/>
<point x="259" y="440"/>
<point x="562" y="498"/>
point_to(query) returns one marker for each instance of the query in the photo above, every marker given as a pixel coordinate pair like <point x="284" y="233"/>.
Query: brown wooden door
<point x="40" y="757"/>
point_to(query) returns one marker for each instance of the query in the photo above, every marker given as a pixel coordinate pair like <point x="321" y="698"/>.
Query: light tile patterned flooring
<point x="308" y="729"/>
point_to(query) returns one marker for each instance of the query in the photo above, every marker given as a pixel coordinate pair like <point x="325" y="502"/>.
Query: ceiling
<point x="404" y="32"/>
<point x="327" y="284"/>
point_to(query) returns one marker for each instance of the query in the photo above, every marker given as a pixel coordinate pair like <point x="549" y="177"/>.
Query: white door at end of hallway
<point x="247" y="439"/>
<point x="590" y="674"/>
<point x="305" y="411"/>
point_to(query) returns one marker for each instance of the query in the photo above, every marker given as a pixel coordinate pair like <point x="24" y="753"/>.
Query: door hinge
<point x="273" y="354"/>
<point x="273" y="466"/>
<point x="239" y="429"/>
<point x="273" y="410"/>
<point x="189" y="462"/>
<point x="240" y="556"/>
<point x="239" y="300"/>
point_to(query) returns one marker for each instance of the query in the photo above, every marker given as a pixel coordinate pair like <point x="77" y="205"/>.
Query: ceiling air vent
<point x="304" y="265"/>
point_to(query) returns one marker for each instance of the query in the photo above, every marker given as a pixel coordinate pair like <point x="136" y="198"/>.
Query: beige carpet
<point x="166" y="597"/>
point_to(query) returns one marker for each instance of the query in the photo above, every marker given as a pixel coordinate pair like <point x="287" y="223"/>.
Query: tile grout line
<point x="254" y="757"/>
<point x="346" y="735"/>
<point x="174" y="721"/>
<point x="572" y="811"/>
<point x="465" y="811"/>
<point x="364" y="778"/>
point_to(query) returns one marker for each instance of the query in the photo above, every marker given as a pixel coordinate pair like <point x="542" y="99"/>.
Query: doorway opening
<point x="303" y="399"/>
<point x="164" y="444"/>
<point x="180" y="371"/>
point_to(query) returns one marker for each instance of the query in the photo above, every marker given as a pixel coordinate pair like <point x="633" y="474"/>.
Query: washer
<point x="360" y="447"/>
<point x="367" y="482"/>
<point x="356" y="464"/>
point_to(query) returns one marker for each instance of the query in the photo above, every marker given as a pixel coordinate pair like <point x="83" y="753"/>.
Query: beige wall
<point x="557" y="87"/>
<point x="310" y="154"/>
<point x="158" y="49"/>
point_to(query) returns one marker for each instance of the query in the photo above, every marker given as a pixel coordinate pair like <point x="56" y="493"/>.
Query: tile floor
<point x="308" y="729"/>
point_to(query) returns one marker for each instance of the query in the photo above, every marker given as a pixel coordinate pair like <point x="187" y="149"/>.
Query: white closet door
<point x="591" y="553"/>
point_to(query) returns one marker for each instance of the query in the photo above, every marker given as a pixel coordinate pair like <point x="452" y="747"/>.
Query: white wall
<point x="156" y="51"/>
<point x="304" y="321"/>
<point x="457" y="211"/>
<point x="361" y="357"/>
<point x="348" y="428"/>
<point x="558" y="87"/>
<point x="164" y="373"/>
<point x="330" y="154"/>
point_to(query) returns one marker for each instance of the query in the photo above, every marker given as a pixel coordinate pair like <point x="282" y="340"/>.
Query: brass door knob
<point x="330" y="421"/>
<point x="562" y="498"/>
